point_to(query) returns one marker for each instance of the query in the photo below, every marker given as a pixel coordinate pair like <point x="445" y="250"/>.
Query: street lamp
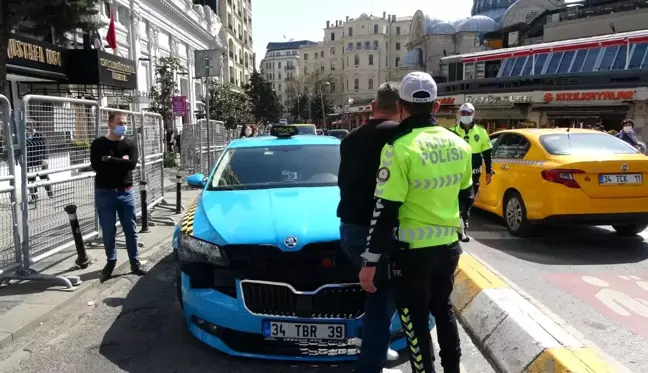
<point x="322" y="101"/>
<point x="349" y="102"/>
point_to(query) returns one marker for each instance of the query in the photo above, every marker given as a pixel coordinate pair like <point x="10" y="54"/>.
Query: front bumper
<point x="224" y="323"/>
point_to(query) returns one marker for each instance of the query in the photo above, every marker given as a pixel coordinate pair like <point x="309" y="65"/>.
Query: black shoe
<point x="138" y="269"/>
<point x="106" y="272"/>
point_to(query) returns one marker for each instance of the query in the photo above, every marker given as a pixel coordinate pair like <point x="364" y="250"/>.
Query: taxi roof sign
<point x="284" y="131"/>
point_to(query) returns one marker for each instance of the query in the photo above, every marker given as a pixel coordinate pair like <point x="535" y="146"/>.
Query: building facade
<point x="355" y="57"/>
<point x="148" y="30"/>
<point x="281" y="67"/>
<point x="236" y="16"/>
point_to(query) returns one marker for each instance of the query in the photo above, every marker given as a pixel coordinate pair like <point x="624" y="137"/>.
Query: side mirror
<point x="197" y="181"/>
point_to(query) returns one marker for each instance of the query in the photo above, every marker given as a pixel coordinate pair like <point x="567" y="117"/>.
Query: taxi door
<point x="491" y="194"/>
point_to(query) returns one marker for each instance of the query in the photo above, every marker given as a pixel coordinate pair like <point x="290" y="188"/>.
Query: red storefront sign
<point x="446" y="100"/>
<point x="590" y="96"/>
<point x="179" y="105"/>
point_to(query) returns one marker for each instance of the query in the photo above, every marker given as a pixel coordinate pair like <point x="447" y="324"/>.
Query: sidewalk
<point x="25" y="305"/>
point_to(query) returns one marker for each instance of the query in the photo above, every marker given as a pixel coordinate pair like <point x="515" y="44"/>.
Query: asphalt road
<point x="135" y="325"/>
<point x="589" y="277"/>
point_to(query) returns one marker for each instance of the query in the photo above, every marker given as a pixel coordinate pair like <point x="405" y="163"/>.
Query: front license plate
<point x="620" y="179"/>
<point x="289" y="330"/>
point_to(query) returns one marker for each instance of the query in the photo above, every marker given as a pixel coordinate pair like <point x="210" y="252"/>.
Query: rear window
<point x="306" y="130"/>
<point x="584" y="143"/>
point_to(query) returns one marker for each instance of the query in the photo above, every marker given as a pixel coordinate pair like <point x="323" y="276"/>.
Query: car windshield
<point x="338" y="133"/>
<point x="585" y="144"/>
<point x="277" y="167"/>
<point x="306" y="130"/>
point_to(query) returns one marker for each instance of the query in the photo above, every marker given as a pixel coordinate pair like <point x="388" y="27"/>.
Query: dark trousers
<point x="465" y="210"/>
<point x="423" y="280"/>
<point x="34" y="191"/>
<point x="379" y="306"/>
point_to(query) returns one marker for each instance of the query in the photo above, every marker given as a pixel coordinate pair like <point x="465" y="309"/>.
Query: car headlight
<point x="191" y="248"/>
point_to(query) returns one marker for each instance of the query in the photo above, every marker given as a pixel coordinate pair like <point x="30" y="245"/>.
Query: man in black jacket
<point x="360" y="159"/>
<point x="36" y="159"/>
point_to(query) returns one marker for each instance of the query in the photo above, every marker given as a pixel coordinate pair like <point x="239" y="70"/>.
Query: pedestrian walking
<point x="477" y="137"/>
<point x="114" y="157"/>
<point x="359" y="160"/>
<point x="424" y="173"/>
<point x="37" y="160"/>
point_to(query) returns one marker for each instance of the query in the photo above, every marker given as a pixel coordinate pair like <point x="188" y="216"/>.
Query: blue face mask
<point x="119" y="130"/>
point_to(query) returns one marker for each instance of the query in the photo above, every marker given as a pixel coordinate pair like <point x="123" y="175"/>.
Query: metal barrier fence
<point x="201" y="145"/>
<point x="53" y="171"/>
<point x="10" y="250"/>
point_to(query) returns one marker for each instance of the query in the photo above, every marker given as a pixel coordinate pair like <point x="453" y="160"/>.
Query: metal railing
<point x="10" y="250"/>
<point x="201" y="145"/>
<point x="53" y="170"/>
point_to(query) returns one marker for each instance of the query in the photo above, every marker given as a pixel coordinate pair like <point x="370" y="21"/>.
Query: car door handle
<point x="504" y="167"/>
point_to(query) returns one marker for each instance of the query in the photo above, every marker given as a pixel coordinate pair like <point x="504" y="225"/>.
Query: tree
<point x="227" y="105"/>
<point x="59" y="16"/>
<point x="165" y="87"/>
<point x="310" y="107"/>
<point x="264" y="102"/>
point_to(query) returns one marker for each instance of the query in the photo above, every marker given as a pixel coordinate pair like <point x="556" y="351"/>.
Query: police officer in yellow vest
<point x="425" y="171"/>
<point x="477" y="137"/>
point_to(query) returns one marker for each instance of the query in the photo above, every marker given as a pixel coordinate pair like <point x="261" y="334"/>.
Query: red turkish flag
<point x="111" y="36"/>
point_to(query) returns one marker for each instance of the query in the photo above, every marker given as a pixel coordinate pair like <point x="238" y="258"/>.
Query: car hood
<point x="268" y="216"/>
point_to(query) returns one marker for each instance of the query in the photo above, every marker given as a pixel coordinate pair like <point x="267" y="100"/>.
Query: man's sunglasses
<point x="466" y="113"/>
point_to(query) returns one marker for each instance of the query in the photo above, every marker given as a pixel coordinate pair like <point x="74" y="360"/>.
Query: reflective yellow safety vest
<point x="424" y="170"/>
<point x="476" y="137"/>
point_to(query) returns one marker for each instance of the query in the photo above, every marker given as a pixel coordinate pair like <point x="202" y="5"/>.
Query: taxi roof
<point x="537" y="132"/>
<point x="275" y="141"/>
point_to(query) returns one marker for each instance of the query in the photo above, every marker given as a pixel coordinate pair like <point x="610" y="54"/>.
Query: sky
<point x="281" y="20"/>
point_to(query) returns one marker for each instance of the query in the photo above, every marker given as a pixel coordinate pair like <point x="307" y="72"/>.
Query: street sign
<point x="208" y="63"/>
<point x="179" y="104"/>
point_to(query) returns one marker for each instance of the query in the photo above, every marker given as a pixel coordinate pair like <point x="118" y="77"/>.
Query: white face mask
<point x="627" y="129"/>
<point x="467" y="119"/>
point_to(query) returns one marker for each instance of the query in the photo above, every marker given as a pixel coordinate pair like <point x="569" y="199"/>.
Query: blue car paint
<point x="262" y="216"/>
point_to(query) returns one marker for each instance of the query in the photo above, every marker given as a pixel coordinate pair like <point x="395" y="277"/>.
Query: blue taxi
<point x="261" y="270"/>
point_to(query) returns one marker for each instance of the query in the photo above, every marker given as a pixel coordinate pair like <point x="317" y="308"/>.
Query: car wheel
<point x="629" y="229"/>
<point x="515" y="215"/>
<point x="179" y="286"/>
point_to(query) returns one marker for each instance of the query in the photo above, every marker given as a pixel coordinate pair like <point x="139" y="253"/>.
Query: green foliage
<point x="60" y="15"/>
<point x="165" y="88"/>
<point x="310" y="107"/>
<point x="264" y="102"/>
<point x="228" y="105"/>
<point x="170" y="160"/>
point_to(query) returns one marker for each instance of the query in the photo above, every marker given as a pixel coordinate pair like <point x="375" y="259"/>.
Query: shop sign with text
<point x="498" y="99"/>
<point x="446" y="100"/>
<point x="35" y="54"/>
<point x="91" y="66"/>
<point x="616" y="95"/>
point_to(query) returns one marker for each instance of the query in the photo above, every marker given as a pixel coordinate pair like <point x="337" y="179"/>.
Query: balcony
<point x="290" y="67"/>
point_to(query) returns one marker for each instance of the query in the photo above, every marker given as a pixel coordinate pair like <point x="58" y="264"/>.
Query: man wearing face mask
<point x="114" y="157"/>
<point x="627" y="134"/>
<point x="477" y="137"/>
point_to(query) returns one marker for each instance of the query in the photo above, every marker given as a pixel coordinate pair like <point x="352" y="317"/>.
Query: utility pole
<point x="209" y="160"/>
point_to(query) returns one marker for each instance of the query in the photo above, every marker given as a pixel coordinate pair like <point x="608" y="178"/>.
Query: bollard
<point x="178" y="194"/>
<point x="144" y="202"/>
<point x="83" y="260"/>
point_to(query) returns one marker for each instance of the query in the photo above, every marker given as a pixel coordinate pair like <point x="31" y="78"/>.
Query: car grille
<point x="302" y="269"/>
<point x="332" y="301"/>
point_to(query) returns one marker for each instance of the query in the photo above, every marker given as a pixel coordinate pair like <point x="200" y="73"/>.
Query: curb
<point x="150" y="255"/>
<point x="513" y="333"/>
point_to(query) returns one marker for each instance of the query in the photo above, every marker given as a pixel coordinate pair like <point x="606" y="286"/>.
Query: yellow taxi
<point x="568" y="176"/>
